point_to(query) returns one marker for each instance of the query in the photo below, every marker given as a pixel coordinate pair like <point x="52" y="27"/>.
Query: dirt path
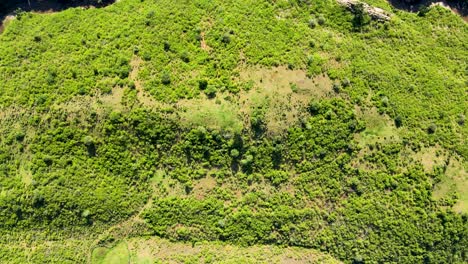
<point x="143" y="96"/>
<point x="203" y="44"/>
<point x="121" y="230"/>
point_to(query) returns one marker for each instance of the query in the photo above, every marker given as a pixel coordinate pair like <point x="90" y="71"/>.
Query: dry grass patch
<point x="162" y="251"/>
<point x="379" y="128"/>
<point x="203" y="186"/>
<point x="455" y="180"/>
<point x="113" y="99"/>
<point x="210" y="113"/>
<point x="431" y="157"/>
<point x="284" y="93"/>
<point x="144" y="97"/>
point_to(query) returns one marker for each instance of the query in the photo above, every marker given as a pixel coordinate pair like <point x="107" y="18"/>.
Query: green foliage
<point x="68" y="171"/>
<point x="361" y="17"/>
<point x="166" y="78"/>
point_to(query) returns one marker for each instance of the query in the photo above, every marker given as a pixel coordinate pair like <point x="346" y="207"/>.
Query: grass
<point x="431" y="157"/>
<point x="270" y="89"/>
<point x="282" y="93"/>
<point x="24" y="247"/>
<point x="454" y="181"/>
<point x="379" y="128"/>
<point x="156" y="250"/>
<point x="118" y="254"/>
<point x="211" y="113"/>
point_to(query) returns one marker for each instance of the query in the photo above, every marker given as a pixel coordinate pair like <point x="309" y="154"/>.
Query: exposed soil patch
<point x="414" y="6"/>
<point x="8" y="7"/>
<point x="203" y="44"/>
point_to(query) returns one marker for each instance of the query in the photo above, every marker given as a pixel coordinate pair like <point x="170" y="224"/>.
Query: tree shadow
<point x="8" y="7"/>
<point x="459" y="7"/>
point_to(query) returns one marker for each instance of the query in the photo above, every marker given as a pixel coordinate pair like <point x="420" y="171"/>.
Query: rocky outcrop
<point x="374" y="12"/>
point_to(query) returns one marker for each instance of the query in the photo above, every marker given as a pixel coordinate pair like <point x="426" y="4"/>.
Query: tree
<point x="361" y="17"/>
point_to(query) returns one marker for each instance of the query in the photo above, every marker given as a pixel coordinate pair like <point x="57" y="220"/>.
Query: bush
<point x="234" y="153"/>
<point x="346" y="82"/>
<point x="432" y="128"/>
<point x="312" y="23"/>
<point x="167" y="46"/>
<point x="321" y="20"/>
<point x="384" y="100"/>
<point x="202" y="84"/>
<point x="314" y="107"/>
<point x="211" y="91"/>
<point x="88" y="141"/>
<point x="185" y="57"/>
<point x="336" y="87"/>
<point x="398" y="121"/>
<point x="166" y="79"/>
<point x="461" y="119"/>
<point x="226" y="39"/>
<point x="20" y="135"/>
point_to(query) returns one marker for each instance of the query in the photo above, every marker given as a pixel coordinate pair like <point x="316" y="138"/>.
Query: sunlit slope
<point x="233" y="125"/>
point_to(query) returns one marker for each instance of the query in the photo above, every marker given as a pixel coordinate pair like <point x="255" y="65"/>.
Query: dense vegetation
<point x="99" y="129"/>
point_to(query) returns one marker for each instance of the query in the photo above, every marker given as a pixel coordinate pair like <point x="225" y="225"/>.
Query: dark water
<point x="456" y="6"/>
<point x="45" y="6"/>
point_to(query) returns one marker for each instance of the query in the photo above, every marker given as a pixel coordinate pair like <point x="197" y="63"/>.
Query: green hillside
<point x="234" y="131"/>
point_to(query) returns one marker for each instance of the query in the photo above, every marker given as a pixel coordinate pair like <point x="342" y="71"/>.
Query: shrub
<point x="166" y="78"/>
<point x="312" y="23"/>
<point x="432" y="128"/>
<point x="167" y="46"/>
<point x="185" y="57"/>
<point x="88" y="141"/>
<point x="346" y="82"/>
<point x="398" y="121"/>
<point x="247" y="161"/>
<point x="211" y="91"/>
<point x="226" y="39"/>
<point x="294" y="87"/>
<point x="48" y="160"/>
<point x="277" y="177"/>
<point x="321" y="20"/>
<point x="131" y="85"/>
<point x="361" y="17"/>
<point x="234" y="153"/>
<point x="314" y="107"/>
<point x="384" y="101"/>
<point x="20" y="135"/>
<point x="423" y="11"/>
<point x="461" y="119"/>
<point x="312" y="44"/>
<point x="336" y="87"/>
<point x="202" y="84"/>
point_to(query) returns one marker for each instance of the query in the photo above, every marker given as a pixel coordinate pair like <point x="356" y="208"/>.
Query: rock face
<point x="374" y="12"/>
